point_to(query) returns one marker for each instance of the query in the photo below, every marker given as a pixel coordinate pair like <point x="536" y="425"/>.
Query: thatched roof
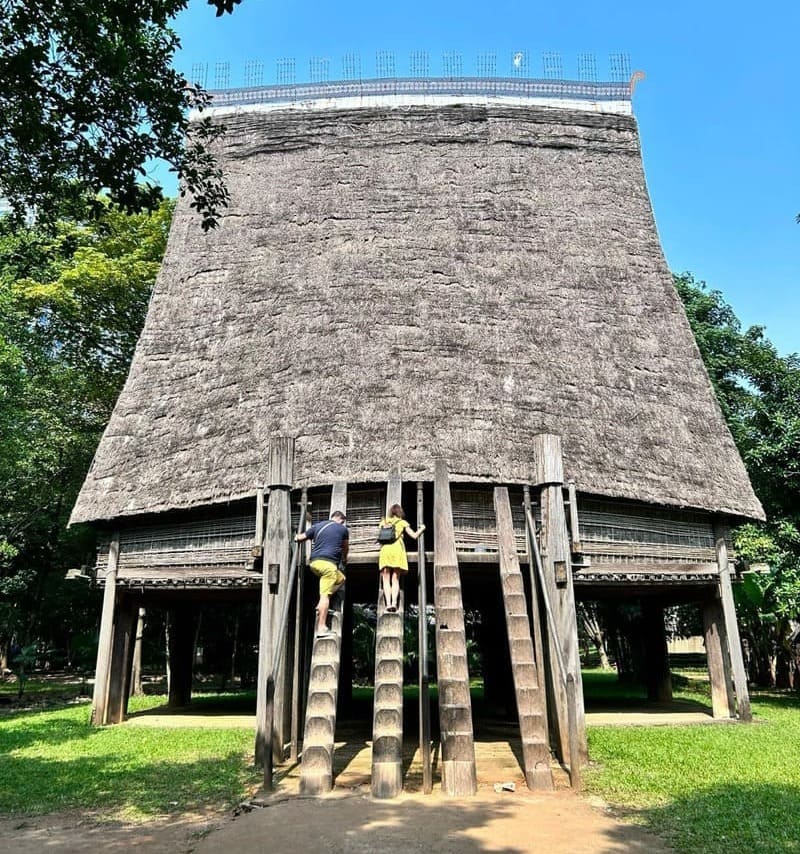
<point x="389" y="285"/>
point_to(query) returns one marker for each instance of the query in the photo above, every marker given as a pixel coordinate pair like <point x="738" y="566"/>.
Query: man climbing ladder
<point x="330" y="544"/>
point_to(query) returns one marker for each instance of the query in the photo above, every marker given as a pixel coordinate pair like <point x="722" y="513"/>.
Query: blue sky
<point x="718" y="113"/>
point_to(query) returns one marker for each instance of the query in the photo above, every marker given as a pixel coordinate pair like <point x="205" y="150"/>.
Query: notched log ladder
<point x="387" y="724"/>
<point x="316" y="770"/>
<point x="455" y="710"/>
<point x="529" y="690"/>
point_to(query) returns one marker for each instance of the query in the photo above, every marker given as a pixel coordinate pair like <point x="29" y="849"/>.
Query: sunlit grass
<point x="53" y="760"/>
<point x="713" y="788"/>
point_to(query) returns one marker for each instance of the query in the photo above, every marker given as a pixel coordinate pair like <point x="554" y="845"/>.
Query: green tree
<point x="89" y="96"/>
<point x="759" y="393"/>
<point x="73" y="302"/>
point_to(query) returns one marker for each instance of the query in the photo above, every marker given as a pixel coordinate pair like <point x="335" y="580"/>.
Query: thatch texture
<point x="392" y="285"/>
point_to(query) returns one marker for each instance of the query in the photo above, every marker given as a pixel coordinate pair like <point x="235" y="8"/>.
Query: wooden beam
<point x="180" y="654"/>
<point x="455" y="709"/>
<point x="125" y="620"/>
<point x="723" y="699"/>
<point x="270" y="710"/>
<point x="656" y="657"/>
<point x="136" y="670"/>
<point x="339" y="496"/>
<point x="394" y="489"/>
<point x="102" y="673"/>
<point x="557" y="560"/>
<point x="731" y="626"/>
<point x="574" y="520"/>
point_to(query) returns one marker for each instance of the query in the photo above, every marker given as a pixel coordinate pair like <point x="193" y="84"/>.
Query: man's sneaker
<point x="325" y="634"/>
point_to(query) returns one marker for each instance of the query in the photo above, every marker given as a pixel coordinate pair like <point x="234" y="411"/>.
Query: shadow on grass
<point x="760" y="817"/>
<point x="56" y="760"/>
<point x="35" y="785"/>
<point x="238" y="703"/>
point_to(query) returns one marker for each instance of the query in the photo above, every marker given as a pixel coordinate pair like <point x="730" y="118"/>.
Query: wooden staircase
<point x="455" y="709"/>
<point x="531" y="700"/>
<point x="387" y="726"/>
<point x="316" y="770"/>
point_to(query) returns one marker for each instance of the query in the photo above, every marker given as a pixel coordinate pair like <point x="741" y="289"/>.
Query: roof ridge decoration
<point x="603" y="96"/>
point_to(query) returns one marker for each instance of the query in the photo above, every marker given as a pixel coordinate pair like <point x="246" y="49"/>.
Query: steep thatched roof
<point x="389" y="285"/>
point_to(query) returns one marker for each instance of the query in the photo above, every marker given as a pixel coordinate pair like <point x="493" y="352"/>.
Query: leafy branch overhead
<point x="89" y="98"/>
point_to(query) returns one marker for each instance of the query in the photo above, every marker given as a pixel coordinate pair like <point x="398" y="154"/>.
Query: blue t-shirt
<point x="327" y="538"/>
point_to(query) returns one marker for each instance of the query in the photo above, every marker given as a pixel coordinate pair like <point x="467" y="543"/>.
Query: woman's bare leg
<point x="395" y="588"/>
<point x="386" y="583"/>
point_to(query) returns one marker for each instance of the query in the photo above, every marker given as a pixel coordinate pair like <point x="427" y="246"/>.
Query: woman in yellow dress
<point x="393" y="559"/>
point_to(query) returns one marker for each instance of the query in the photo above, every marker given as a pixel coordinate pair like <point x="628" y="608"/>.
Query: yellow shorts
<point x="330" y="578"/>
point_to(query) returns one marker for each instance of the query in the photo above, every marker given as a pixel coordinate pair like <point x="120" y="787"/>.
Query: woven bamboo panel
<point x="474" y="520"/>
<point x="222" y="541"/>
<point x="624" y="533"/>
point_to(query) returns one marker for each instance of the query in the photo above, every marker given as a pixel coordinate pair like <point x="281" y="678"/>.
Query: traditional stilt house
<point x="445" y="293"/>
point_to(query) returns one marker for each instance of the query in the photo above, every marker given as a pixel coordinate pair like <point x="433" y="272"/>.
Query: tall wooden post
<point x="731" y="626"/>
<point x="557" y="559"/>
<point x="271" y="710"/>
<point x="102" y="670"/>
<point x="180" y="655"/>
<point x="136" y="671"/>
<point x="723" y="699"/>
<point x="455" y="707"/>
<point x="119" y="683"/>
<point x="656" y="657"/>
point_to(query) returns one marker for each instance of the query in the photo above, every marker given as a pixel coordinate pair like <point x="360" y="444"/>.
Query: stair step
<point x="388" y="694"/>
<point x="452" y="665"/>
<point x="512" y="583"/>
<point x="389" y="646"/>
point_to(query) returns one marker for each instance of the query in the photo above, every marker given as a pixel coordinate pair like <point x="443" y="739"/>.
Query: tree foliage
<point x="759" y="393"/>
<point x="89" y="96"/>
<point x="72" y="303"/>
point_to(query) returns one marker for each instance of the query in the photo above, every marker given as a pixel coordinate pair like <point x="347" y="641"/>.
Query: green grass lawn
<point x="53" y="760"/>
<point x="715" y="788"/>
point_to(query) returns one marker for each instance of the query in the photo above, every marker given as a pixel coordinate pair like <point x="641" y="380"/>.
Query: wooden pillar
<point x="274" y="590"/>
<point x="136" y="669"/>
<point x="180" y="655"/>
<point x="731" y="626"/>
<point x="455" y="710"/>
<point x="119" y="683"/>
<point x="723" y="699"/>
<point x="102" y="671"/>
<point x="557" y="560"/>
<point x="656" y="657"/>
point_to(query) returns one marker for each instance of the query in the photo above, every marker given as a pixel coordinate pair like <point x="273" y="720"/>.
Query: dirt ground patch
<point x="87" y="833"/>
<point x="501" y="823"/>
<point x="495" y="823"/>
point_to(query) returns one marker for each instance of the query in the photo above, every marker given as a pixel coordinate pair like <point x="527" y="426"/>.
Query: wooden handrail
<point x="567" y="677"/>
